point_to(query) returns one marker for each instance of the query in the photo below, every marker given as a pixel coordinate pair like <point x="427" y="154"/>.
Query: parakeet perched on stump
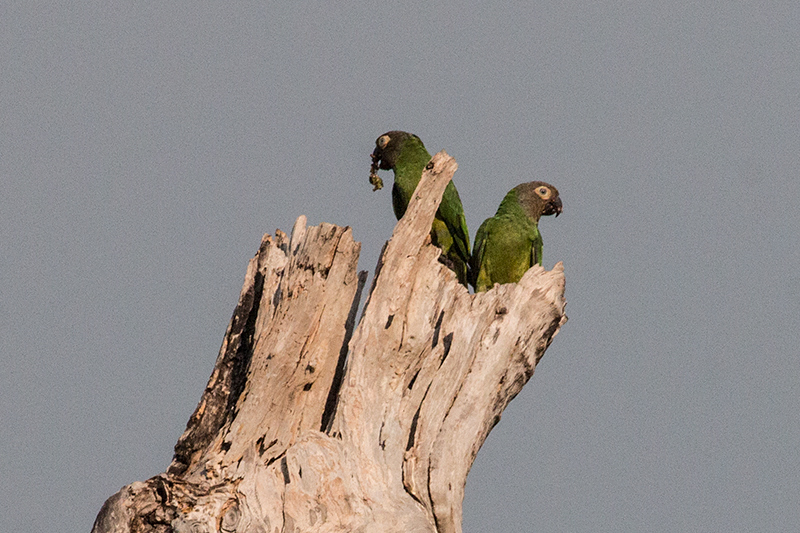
<point x="509" y="243"/>
<point x="405" y="154"/>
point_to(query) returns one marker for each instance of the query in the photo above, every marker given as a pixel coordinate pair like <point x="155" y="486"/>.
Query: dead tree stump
<point x="302" y="428"/>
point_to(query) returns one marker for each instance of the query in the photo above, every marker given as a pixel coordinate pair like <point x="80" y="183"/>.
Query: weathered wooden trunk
<point x="307" y="425"/>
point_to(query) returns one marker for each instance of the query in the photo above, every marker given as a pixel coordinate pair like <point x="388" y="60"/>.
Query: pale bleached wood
<point x="286" y="438"/>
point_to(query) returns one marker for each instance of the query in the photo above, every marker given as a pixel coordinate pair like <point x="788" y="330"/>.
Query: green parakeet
<point x="509" y="243"/>
<point x="405" y="154"/>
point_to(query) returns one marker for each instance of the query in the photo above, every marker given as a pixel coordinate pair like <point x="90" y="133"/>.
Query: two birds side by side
<point x="506" y="245"/>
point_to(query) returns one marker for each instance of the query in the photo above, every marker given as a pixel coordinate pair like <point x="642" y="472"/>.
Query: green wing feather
<point x="478" y="275"/>
<point x="536" y="249"/>
<point x="451" y="212"/>
<point x="505" y="247"/>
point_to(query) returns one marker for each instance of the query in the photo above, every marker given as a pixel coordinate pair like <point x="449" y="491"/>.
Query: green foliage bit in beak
<point x="374" y="179"/>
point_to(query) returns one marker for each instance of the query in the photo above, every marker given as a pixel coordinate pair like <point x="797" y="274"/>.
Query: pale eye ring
<point x="544" y="192"/>
<point x="383" y="140"/>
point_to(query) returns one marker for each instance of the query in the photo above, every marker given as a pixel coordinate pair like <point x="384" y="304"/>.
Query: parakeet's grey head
<point x="538" y="199"/>
<point x="387" y="148"/>
<point x="387" y="152"/>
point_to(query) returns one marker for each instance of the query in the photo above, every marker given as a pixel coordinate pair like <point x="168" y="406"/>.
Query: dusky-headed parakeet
<point x="509" y="243"/>
<point x="405" y="154"/>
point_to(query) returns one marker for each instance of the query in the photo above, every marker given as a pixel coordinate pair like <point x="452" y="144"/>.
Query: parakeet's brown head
<point x="538" y="199"/>
<point x="387" y="150"/>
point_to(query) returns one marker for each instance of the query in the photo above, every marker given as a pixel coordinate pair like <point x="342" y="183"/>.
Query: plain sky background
<point x="146" y="147"/>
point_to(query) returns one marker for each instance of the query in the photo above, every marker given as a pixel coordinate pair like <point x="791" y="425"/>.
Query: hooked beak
<point x="555" y="207"/>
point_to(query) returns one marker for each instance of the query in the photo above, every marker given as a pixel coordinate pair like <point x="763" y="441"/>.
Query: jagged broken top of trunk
<point x="308" y="424"/>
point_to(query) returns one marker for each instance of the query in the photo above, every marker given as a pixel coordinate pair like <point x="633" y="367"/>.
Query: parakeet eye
<point x="544" y="192"/>
<point x="382" y="141"/>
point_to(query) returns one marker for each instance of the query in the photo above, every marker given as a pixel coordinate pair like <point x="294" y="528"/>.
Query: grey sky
<point x="144" y="150"/>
